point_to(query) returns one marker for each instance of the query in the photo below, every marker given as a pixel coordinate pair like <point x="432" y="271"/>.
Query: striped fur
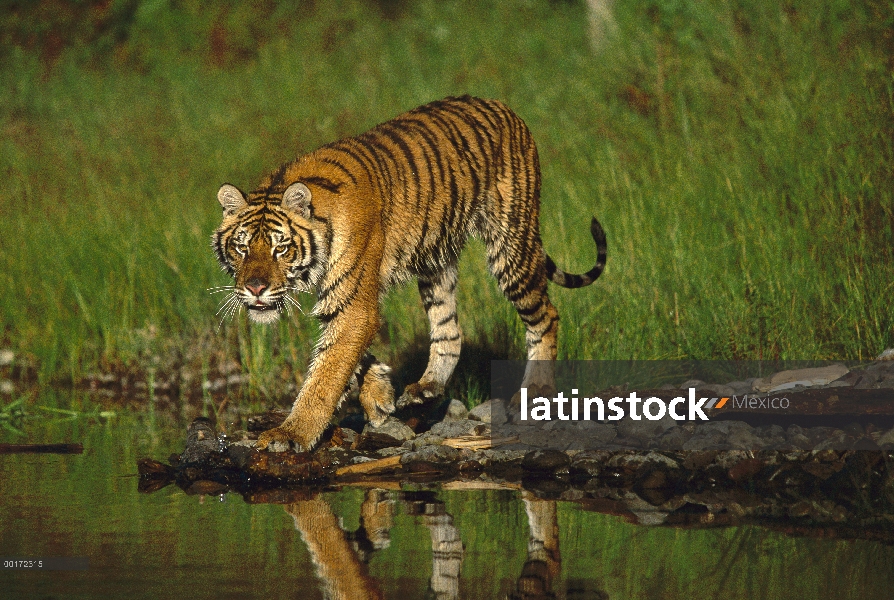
<point x="359" y="215"/>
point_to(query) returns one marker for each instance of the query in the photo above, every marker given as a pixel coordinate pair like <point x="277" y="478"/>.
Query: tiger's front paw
<point x="279" y="435"/>
<point x="420" y="393"/>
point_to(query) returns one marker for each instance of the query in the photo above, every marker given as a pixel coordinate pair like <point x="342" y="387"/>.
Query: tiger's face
<point x="270" y="248"/>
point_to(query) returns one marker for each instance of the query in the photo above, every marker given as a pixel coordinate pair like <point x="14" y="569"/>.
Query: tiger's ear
<point x="297" y="199"/>
<point x="230" y="198"/>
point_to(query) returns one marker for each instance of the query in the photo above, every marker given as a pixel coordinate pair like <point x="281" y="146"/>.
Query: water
<point x="356" y="542"/>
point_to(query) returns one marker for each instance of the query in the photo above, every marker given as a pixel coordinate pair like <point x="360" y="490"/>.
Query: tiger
<point x="358" y="216"/>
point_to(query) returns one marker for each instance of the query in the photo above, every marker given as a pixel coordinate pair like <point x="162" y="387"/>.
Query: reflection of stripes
<point x="713" y="401"/>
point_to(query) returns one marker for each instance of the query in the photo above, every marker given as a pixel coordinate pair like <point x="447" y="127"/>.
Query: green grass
<point x="739" y="155"/>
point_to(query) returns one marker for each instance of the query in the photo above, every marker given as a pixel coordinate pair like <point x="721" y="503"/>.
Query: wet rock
<point x="635" y="460"/>
<point x="700" y="459"/>
<point x="392" y="427"/>
<point x="492" y="411"/>
<point x="545" y="461"/>
<point x="201" y="442"/>
<point x="822" y="470"/>
<point x="589" y="462"/>
<point x="374" y="441"/>
<point x="746" y="469"/>
<point x="645" y="429"/>
<point x="502" y="456"/>
<point x="456" y="411"/>
<point x="451" y="429"/>
<point x="886" y="355"/>
<point x="431" y="459"/>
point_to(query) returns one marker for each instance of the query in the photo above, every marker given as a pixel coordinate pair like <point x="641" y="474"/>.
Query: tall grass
<point x="739" y="155"/>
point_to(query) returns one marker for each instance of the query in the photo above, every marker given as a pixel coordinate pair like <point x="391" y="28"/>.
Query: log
<point x="478" y="442"/>
<point x="372" y="467"/>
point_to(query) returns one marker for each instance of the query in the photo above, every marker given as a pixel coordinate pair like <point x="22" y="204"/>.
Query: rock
<point x="492" y="411"/>
<point x="837" y="442"/>
<point x="865" y="443"/>
<point x="673" y="439"/>
<point x="545" y="461"/>
<point x="431" y="459"/>
<point x="876" y="376"/>
<point x="636" y="460"/>
<point x="886" y="355"/>
<point x="392" y="451"/>
<point x="501" y="456"/>
<point x="450" y="429"/>
<point x="645" y="429"/>
<point x="741" y="388"/>
<point x="691" y="383"/>
<point x="745" y="470"/>
<point x="806" y="377"/>
<point x="395" y="428"/>
<point x="745" y="440"/>
<point x="594" y="436"/>
<point x="886" y="438"/>
<point x="589" y="462"/>
<point x="456" y="411"/>
<point x="543" y="438"/>
<point x="374" y="441"/>
<point x="201" y="442"/>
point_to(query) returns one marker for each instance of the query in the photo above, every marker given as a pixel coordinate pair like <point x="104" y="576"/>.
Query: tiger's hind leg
<point x="516" y="258"/>
<point x="438" y="294"/>
<point x="527" y="292"/>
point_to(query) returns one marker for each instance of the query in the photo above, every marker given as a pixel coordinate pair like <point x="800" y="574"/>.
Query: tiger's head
<point x="268" y="244"/>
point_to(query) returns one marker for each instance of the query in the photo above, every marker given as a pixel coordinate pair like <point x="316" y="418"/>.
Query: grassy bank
<point x="738" y="154"/>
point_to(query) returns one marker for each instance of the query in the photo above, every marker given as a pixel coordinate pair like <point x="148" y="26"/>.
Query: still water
<point x="355" y="542"/>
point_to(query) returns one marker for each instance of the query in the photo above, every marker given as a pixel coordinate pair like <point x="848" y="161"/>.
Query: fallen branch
<point x="372" y="467"/>
<point x="478" y="442"/>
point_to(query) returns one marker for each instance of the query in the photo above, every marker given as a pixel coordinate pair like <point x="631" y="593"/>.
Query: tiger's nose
<point x="256" y="286"/>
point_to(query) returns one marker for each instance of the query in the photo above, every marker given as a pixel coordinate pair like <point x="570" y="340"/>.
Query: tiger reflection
<point x="341" y="558"/>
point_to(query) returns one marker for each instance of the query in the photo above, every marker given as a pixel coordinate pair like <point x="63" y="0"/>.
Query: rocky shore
<point x="721" y="471"/>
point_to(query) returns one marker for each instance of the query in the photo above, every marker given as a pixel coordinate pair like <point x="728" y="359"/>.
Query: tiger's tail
<point x="568" y="280"/>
